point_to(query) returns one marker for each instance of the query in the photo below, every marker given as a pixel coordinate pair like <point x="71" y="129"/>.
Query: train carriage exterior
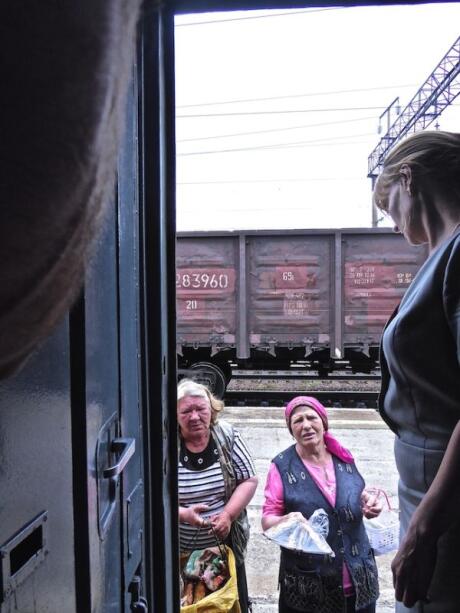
<point x="273" y="299"/>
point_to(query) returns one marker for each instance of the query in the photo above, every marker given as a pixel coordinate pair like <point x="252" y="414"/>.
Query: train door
<point x="108" y="377"/>
<point x="71" y="481"/>
<point x="36" y="502"/>
<point x="128" y="361"/>
<point x="97" y="376"/>
<point x="132" y="495"/>
<point x="87" y="441"/>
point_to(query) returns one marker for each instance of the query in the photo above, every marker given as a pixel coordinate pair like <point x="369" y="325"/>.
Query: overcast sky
<point x="278" y="113"/>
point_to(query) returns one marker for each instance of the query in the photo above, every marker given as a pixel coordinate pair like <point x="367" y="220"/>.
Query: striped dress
<point x="201" y="482"/>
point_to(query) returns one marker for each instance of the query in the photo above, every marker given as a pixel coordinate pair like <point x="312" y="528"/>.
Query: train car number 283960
<point x="213" y="279"/>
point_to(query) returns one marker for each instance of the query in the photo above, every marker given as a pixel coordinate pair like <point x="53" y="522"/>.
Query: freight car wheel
<point x="211" y="376"/>
<point x="226" y="371"/>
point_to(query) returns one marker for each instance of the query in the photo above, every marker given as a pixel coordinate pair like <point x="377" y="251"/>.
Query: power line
<point x="269" y="130"/>
<point x="321" y="110"/>
<point x="324" y="143"/>
<point x="263" y="209"/>
<point x="323" y="139"/>
<point x="250" y="181"/>
<point x="272" y="148"/>
<point x="327" y="93"/>
<point x="248" y="17"/>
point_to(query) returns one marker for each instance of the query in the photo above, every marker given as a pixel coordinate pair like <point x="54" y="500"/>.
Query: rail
<point x="333" y="399"/>
<point x="302" y="374"/>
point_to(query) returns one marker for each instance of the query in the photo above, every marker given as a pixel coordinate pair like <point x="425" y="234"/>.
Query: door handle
<point x="126" y="448"/>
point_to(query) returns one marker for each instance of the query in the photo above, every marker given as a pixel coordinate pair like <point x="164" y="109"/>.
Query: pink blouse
<point x="324" y="477"/>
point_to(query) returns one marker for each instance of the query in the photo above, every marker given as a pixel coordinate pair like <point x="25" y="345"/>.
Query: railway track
<point x="302" y="374"/>
<point x="338" y="399"/>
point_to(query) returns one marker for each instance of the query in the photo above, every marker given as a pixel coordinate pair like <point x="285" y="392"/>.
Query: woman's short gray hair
<point x="188" y="387"/>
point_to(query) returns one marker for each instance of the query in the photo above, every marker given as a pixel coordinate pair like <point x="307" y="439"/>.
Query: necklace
<point x="199" y="460"/>
<point x="320" y="474"/>
<point x="323" y="468"/>
<point x="325" y="473"/>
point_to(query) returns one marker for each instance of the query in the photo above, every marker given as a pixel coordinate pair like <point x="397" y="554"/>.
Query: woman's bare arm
<point x="241" y="497"/>
<point x="238" y="501"/>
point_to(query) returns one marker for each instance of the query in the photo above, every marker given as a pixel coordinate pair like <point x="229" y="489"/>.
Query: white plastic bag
<point x="383" y="531"/>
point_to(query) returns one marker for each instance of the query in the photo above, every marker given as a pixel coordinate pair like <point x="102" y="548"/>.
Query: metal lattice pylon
<point x="439" y="90"/>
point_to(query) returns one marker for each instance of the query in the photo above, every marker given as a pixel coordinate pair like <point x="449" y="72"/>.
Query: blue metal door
<point x="36" y="506"/>
<point x="71" y="472"/>
<point x="111" y="413"/>
<point x="88" y="515"/>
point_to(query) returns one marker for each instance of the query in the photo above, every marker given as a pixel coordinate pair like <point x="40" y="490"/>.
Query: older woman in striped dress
<point x="216" y="478"/>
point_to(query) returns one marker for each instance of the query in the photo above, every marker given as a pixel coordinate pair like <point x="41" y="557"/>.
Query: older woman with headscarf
<point x="317" y="472"/>
<point x="216" y="478"/>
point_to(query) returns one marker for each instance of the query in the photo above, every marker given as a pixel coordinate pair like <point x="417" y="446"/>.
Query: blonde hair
<point x="435" y="154"/>
<point x="188" y="387"/>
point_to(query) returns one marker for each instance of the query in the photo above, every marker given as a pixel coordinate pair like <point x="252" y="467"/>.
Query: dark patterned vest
<point x="312" y="582"/>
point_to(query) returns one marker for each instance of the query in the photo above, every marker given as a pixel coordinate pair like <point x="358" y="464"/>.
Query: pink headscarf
<point x="332" y="444"/>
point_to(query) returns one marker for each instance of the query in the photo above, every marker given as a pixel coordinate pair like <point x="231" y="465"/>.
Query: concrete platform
<point x="273" y="417"/>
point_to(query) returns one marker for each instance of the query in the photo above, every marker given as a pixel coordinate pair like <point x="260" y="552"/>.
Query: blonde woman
<point x="216" y="478"/>
<point x="419" y="188"/>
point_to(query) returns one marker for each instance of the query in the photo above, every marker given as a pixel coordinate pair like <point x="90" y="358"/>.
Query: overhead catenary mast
<point x="437" y="92"/>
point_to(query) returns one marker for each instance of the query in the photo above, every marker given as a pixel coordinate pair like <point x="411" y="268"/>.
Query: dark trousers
<point x="351" y="600"/>
<point x="242" y="588"/>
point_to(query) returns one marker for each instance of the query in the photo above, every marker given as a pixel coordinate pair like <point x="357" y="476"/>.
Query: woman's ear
<point x="407" y="178"/>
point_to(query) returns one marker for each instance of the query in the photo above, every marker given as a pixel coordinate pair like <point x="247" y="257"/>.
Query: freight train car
<point x="318" y="299"/>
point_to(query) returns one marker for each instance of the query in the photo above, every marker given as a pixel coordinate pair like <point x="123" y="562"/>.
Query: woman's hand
<point x="222" y="522"/>
<point x="371" y="506"/>
<point x="191" y="515"/>
<point x="413" y="566"/>
<point x="268" y="521"/>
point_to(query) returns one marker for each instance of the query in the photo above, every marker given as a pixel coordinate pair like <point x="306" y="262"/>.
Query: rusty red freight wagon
<point x="317" y="299"/>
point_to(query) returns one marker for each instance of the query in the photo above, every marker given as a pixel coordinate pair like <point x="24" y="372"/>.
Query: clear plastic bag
<point x="298" y="534"/>
<point x="319" y="521"/>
